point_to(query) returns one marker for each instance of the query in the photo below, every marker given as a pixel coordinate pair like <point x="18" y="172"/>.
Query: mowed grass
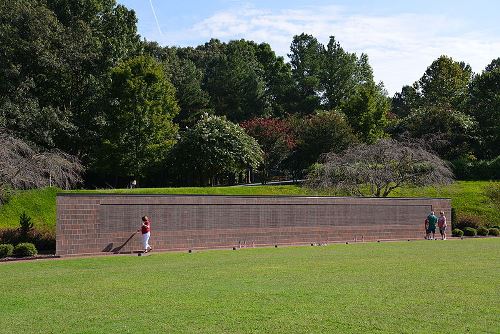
<point x="400" y="287"/>
<point x="467" y="197"/>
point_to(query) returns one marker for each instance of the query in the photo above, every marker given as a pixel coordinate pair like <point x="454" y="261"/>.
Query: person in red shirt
<point x="146" y="233"/>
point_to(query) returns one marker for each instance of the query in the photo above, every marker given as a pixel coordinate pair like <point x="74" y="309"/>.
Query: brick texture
<point x="91" y="224"/>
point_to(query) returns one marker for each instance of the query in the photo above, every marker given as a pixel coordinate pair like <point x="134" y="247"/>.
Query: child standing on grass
<point x="442" y="225"/>
<point x="146" y="233"/>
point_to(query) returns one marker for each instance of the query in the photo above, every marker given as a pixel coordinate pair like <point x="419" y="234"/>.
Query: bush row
<point x="471" y="232"/>
<point x="44" y="241"/>
<point x="23" y="249"/>
<point x="465" y="169"/>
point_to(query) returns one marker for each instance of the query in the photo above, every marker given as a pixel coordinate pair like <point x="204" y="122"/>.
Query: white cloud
<point x="400" y="47"/>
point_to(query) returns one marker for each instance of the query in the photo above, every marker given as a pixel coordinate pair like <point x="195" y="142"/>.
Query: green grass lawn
<point x="467" y="197"/>
<point x="400" y="287"/>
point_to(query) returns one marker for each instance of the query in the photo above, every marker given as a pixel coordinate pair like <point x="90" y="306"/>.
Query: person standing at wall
<point x="146" y="233"/>
<point x="442" y="225"/>
<point x="432" y="225"/>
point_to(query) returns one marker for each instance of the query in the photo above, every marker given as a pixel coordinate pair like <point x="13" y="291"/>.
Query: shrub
<point x="25" y="224"/>
<point x="494" y="231"/>
<point x="25" y="249"/>
<point x="457" y="232"/>
<point x="468" y="220"/>
<point x="482" y="231"/>
<point x="470" y="232"/>
<point x="6" y="250"/>
<point x="471" y="169"/>
<point x="44" y="240"/>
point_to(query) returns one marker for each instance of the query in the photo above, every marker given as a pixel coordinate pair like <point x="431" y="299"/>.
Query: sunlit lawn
<point x="448" y="286"/>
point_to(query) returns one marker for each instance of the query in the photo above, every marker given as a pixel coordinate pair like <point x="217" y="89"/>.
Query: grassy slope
<point x="411" y="287"/>
<point x="39" y="204"/>
<point x="467" y="196"/>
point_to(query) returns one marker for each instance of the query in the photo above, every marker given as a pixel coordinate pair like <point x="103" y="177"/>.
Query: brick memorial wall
<point x="91" y="224"/>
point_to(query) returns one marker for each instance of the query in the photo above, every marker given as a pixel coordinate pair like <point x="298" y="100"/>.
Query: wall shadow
<point x="109" y="248"/>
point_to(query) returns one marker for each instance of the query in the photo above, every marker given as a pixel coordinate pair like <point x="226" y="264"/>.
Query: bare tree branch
<point x="24" y="166"/>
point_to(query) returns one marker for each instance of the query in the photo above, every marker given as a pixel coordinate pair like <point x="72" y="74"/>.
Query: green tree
<point x="56" y="57"/>
<point x="339" y="74"/>
<point x="448" y="132"/>
<point x="213" y="150"/>
<point x="404" y="102"/>
<point x="484" y="106"/>
<point x="445" y="83"/>
<point x="367" y="110"/>
<point x="318" y="134"/>
<point x="140" y="130"/>
<point x="236" y="83"/>
<point x="31" y="68"/>
<point x="187" y="79"/>
<point x="306" y="57"/>
<point x="279" y="90"/>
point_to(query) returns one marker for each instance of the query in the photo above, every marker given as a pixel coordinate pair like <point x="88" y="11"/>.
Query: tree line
<point x="76" y="77"/>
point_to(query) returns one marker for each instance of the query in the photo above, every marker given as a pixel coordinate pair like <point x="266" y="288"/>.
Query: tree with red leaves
<point x="276" y="140"/>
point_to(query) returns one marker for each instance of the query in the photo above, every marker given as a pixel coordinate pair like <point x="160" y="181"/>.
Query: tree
<point x="31" y="68"/>
<point x="214" y="149"/>
<point x="306" y="57"/>
<point x="405" y="102"/>
<point x="380" y="168"/>
<point x="187" y="79"/>
<point x="484" y="105"/>
<point x="56" y="57"/>
<point x="448" y="132"/>
<point x="367" y="110"/>
<point x="316" y="135"/>
<point x="279" y="91"/>
<point x="140" y="130"/>
<point x="339" y="74"/>
<point x="445" y="83"/>
<point x="235" y="82"/>
<point x="276" y="141"/>
<point x="25" y="166"/>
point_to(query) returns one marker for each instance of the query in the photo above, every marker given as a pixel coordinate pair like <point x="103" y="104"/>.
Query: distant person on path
<point x="432" y="225"/>
<point x="442" y="225"/>
<point x="146" y="233"/>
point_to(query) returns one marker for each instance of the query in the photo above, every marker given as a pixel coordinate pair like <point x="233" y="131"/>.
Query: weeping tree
<point x="380" y="168"/>
<point x="24" y="166"/>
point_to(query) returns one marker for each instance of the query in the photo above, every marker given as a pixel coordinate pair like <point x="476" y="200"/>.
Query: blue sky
<point x="401" y="37"/>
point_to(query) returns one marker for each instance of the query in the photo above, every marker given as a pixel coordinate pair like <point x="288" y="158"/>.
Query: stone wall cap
<point x="68" y="194"/>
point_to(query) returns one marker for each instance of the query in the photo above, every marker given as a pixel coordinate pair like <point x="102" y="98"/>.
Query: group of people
<point x="430" y="229"/>
<point x="430" y="226"/>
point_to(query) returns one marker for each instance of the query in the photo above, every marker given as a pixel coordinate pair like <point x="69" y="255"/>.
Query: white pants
<point x="145" y="240"/>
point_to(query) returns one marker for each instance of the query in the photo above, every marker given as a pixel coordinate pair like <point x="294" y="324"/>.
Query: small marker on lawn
<point x="189" y="251"/>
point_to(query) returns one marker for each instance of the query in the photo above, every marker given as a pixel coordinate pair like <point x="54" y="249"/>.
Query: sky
<point x="402" y="38"/>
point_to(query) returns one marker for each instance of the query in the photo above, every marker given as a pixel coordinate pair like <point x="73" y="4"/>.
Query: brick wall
<point x="90" y="224"/>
